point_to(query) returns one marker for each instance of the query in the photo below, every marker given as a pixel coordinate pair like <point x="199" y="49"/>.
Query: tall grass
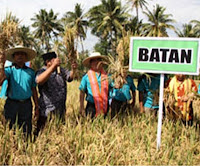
<point x="130" y="140"/>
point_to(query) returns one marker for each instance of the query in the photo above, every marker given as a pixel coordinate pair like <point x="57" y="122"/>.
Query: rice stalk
<point x="117" y="70"/>
<point x="123" y="46"/>
<point x="169" y="100"/>
<point x="8" y="32"/>
<point x="70" y="44"/>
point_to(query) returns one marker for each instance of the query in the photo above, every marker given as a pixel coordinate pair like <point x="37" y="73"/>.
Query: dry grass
<point x="128" y="141"/>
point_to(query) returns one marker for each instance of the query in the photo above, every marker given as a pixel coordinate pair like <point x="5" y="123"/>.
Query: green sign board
<point x="164" y="55"/>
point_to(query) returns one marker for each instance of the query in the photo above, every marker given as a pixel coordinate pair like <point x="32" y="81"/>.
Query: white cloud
<point x="183" y="11"/>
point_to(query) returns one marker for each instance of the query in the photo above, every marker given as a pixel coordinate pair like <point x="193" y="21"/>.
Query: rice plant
<point x="82" y="141"/>
<point x="8" y="32"/>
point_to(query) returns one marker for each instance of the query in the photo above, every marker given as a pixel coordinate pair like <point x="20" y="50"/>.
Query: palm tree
<point x="107" y="20"/>
<point x="138" y="4"/>
<point x="158" y="22"/>
<point x="135" y="26"/>
<point x="188" y="31"/>
<point x="47" y="26"/>
<point x="25" y="38"/>
<point x="196" y="27"/>
<point x="77" y="21"/>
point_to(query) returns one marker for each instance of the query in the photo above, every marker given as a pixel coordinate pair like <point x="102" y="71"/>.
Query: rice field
<point x="130" y="140"/>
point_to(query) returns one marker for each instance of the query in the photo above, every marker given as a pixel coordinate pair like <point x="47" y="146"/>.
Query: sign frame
<point x="131" y="54"/>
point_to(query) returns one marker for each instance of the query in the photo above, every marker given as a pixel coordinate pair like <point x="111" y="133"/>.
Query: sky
<point x="182" y="11"/>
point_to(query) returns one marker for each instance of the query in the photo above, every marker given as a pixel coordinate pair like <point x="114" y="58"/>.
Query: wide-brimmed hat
<point x="94" y="55"/>
<point x="30" y="53"/>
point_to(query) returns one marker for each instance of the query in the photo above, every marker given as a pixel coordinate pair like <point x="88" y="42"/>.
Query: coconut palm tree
<point x="47" y="26"/>
<point x="135" y="26"/>
<point x="158" y="23"/>
<point x="187" y="31"/>
<point x="77" y="21"/>
<point x="25" y="37"/>
<point x="107" y="20"/>
<point x="196" y="27"/>
<point x="138" y="4"/>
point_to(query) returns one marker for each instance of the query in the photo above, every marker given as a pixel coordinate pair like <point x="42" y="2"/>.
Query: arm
<point x="42" y="78"/>
<point x="73" y="71"/>
<point x="191" y="94"/>
<point x="82" y="96"/>
<point x="2" y="76"/>
<point x="133" y="98"/>
<point x="141" y="101"/>
<point x="133" y="89"/>
<point x="35" y="100"/>
<point x="2" y="72"/>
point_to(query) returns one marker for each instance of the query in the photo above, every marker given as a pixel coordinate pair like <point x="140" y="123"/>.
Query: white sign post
<point x="160" y="112"/>
<point x="164" y="56"/>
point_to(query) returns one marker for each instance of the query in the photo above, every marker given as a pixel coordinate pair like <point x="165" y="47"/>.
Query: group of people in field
<point x="96" y="87"/>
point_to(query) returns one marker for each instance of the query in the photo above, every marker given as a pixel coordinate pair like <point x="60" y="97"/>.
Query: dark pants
<point x="118" y="107"/>
<point x="19" y="112"/>
<point x="42" y="120"/>
<point x="91" y="110"/>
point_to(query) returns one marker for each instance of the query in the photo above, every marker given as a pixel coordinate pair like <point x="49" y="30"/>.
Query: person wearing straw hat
<point x="21" y="87"/>
<point x="52" y="88"/>
<point x="95" y="85"/>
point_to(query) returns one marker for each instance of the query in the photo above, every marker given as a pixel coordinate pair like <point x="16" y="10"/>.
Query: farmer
<point x="148" y="87"/>
<point x="52" y="88"/>
<point x="121" y="96"/>
<point x="183" y="90"/>
<point x="95" y="86"/>
<point x="21" y="87"/>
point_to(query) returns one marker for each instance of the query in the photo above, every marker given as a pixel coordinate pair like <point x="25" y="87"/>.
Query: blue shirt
<point x="148" y="87"/>
<point x="86" y="87"/>
<point x="20" y="82"/>
<point x="123" y="94"/>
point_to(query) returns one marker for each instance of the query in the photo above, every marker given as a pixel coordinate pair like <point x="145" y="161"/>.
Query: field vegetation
<point x="127" y="140"/>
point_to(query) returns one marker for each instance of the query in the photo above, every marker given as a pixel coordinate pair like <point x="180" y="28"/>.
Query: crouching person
<point x="183" y="90"/>
<point x="121" y="96"/>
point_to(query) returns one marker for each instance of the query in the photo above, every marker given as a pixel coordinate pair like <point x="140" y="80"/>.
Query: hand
<point x="117" y="85"/>
<point x="74" y="66"/>
<point x="191" y="95"/>
<point x="184" y="98"/>
<point x="56" y="62"/>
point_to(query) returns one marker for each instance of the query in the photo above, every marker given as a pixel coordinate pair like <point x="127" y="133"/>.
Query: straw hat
<point x="30" y="53"/>
<point x="94" y="55"/>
